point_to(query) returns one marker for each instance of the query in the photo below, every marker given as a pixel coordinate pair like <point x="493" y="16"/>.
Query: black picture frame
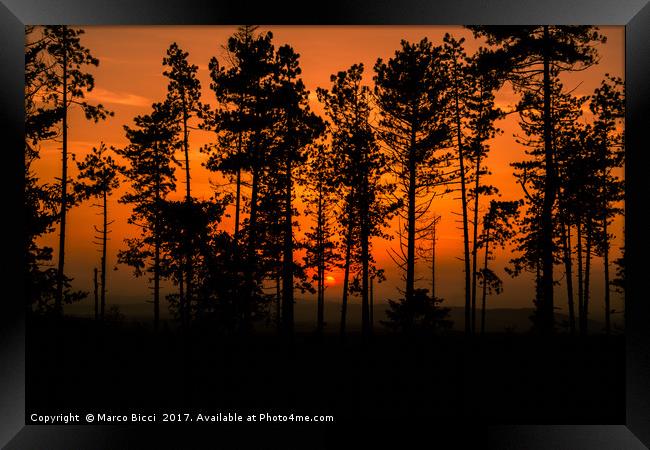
<point x="633" y="14"/>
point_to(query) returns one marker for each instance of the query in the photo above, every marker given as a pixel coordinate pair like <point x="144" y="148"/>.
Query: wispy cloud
<point x="118" y="98"/>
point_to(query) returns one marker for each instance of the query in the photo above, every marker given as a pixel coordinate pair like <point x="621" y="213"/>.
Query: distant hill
<point x="498" y="320"/>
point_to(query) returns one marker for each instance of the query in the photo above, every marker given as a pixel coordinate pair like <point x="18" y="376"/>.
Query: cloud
<point x="117" y="98"/>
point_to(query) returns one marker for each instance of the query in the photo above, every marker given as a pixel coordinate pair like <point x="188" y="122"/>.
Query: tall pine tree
<point x="98" y="178"/>
<point x="150" y="172"/>
<point x="411" y="91"/>
<point x="531" y="55"/>
<point x="68" y="82"/>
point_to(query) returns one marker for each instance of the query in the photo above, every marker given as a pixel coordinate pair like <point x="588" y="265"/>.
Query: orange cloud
<point x="118" y="98"/>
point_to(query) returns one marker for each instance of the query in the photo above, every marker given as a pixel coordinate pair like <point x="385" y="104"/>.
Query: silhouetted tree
<point x="184" y="98"/>
<point x="271" y="231"/>
<point x="210" y="252"/>
<point x="583" y="189"/>
<point x="218" y="283"/>
<point x="607" y="105"/>
<point x="296" y="128"/>
<point x="565" y="110"/>
<point x="485" y="80"/>
<point x="619" y="280"/>
<point x="428" y="253"/>
<point x="320" y="201"/>
<point x="421" y="315"/>
<point x="244" y="121"/>
<point x="587" y="210"/>
<point x="567" y="147"/>
<point x="472" y="117"/>
<point x="532" y="55"/>
<point x="98" y="178"/>
<point x="360" y="167"/>
<point x="68" y="83"/>
<point x="42" y="199"/>
<point x="460" y="90"/>
<point x="150" y="172"/>
<point x="411" y="94"/>
<point x="498" y="229"/>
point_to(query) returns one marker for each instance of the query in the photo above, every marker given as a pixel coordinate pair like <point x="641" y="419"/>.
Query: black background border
<point x="634" y="14"/>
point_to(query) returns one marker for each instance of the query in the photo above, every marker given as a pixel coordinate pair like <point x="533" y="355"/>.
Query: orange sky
<point x="129" y="78"/>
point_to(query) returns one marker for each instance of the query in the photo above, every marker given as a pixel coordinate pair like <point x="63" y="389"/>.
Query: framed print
<point x="246" y="221"/>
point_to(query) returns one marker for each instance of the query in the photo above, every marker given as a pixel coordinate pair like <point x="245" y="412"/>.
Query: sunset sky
<point x="129" y="78"/>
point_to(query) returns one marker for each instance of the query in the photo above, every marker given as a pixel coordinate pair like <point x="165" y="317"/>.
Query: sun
<point x="329" y="279"/>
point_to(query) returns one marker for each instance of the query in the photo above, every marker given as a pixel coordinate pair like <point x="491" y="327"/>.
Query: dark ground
<point x="500" y="379"/>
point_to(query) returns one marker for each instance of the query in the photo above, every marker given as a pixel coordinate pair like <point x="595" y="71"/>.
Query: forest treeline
<point x="383" y="152"/>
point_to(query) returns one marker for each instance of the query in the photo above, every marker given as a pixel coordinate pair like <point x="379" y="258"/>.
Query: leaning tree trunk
<point x="469" y="317"/>
<point x="58" y="301"/>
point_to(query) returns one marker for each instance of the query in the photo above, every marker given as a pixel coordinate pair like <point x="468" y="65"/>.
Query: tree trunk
<point x="278" y="302"/>
<point x="346" y="275"/>
<point x="372" y="305"/>
<point x="433" y="260"/>
<point x="410" y="253"/>
<point x="181" y="294"/>
<point x="365" y="256"/>
<point x="568" y="271"/>
<point x="475" y="238"/>
<point x="469" y="317"/>
<point x="546" y="307"/>
<point x="96" y="293"/>
<point x="606" y="267"/>
<point x="156" y="284"/>
<point x="587" y="275"/>
<point x="188" y="201"/>
<point x="485" y="266"/>
<point x="608" y="307"/>
<point x="581" y="312"/>
<point x="156" y="255"/>
<point x="238" y="185"/>
<point x="237" y="205"/>
<point x="251" y="252"/>
<point x="104" y="241"/>
<point x="186" y="149"/>
<point x="58" y="301"/>
<point x="287" y="263"/>
<point x="538" y="280"/>
<point x="320" y="245"/>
